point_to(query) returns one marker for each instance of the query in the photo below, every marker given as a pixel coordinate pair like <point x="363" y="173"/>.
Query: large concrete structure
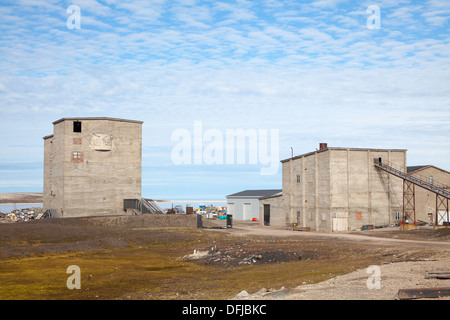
<point x="91" y="165"/>
<point x="244" y="205"/>
<point x="336" y="189"/>
<point x="425" y="201"/>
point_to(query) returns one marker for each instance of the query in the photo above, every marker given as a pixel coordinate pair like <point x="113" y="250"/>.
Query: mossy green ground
<point x="144" y="274"/>
<point x="146" y="263"/>
<point x="155" y="271"/>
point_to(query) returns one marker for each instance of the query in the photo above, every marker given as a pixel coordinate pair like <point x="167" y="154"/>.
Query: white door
<point x="443" y="216"/>
<point x="340" y="221"/>
<point x="247" y="211"/>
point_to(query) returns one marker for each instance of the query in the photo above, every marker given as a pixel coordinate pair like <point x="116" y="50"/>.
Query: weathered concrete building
<point x="336" y="189"/>
<point x="91" y="165"/>
<point x="425" y="201"/>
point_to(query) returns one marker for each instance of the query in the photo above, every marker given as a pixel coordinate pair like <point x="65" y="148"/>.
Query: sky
<point x="300" y="72"/>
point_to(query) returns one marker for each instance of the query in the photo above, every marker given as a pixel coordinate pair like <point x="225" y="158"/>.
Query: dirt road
<point x="359" y="285"/>
<point x="370" y="236"/>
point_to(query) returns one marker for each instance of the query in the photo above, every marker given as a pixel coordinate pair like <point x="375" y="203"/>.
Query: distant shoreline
<point x="18" y="203"/>
<point x="21" y="198"/>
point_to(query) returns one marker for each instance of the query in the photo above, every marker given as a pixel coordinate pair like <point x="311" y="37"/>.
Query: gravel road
<point x="354" y="286"/>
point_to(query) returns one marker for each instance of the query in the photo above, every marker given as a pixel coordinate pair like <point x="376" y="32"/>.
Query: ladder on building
<point x="409" y="181"/>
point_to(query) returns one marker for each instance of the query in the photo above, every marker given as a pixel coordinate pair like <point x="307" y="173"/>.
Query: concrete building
<point x="425" y="201"/>
<point x="336" y="189"/>
<point x="244" y="205"/>
<point x="91" y="165"/>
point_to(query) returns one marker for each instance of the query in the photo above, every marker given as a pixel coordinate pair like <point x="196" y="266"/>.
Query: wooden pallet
<point x="437" y="275"/>
<point x="406" y="294"/>
<point x="298" y="228"/>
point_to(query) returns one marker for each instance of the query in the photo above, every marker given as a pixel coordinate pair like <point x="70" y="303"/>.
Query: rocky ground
<point x="358" y="285"/>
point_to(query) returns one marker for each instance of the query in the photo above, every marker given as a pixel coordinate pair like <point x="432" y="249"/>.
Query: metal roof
<point x="255" y="193"/>
<point x="415" y="168"/>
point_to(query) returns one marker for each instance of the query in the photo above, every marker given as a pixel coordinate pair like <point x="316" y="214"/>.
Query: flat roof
<point x="48" y="137"/>
<point x="97" y="118"/>
<point x="255" y="193"/>
<point x="337" y="148"/>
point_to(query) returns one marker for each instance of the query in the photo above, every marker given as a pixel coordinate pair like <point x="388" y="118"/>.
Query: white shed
<point x="244" y="205"/>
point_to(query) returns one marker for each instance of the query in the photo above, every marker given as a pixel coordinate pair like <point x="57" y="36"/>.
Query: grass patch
<point x="147" y="273"/>
<point x="151" y="268"/>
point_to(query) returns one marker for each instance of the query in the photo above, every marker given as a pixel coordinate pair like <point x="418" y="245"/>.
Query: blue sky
<point x="310" y="69"/>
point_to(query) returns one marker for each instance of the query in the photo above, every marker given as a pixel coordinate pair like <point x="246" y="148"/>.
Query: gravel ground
<point x="353" y="286"/>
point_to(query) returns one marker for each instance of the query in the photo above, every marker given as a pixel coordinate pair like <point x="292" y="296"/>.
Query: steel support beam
<point x="442" y="210"/>
<point x="409" y="203"/>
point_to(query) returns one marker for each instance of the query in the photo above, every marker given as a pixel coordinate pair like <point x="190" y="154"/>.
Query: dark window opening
<point x="267" y="214"/>
<point x="76" y="126"/>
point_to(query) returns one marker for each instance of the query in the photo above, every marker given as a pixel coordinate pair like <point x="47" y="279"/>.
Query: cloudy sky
<point x="312" y="70"/>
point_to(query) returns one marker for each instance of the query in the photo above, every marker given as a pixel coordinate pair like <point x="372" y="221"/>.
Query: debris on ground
<point x="407" y="294"/>
<point x="196" y="255"/>
<point x="240" y="255"/>
<point x="437" y="274"/>
<point x="22" y="215"/>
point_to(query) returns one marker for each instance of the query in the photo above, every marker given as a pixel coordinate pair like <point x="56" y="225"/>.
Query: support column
<point x="409" y="203"/>
<point x="442" y="205"/>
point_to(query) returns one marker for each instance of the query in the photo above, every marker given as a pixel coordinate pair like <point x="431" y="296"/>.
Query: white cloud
<point x="93" y="7"/>
<point x="314" y="72"/>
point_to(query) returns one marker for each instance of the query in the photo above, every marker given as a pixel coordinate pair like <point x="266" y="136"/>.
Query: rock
<point x="242" y="294"/>
<point x="196" y="255"/>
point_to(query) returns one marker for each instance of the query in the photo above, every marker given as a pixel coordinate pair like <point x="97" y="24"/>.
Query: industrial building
<point x="91" y="165"/>
<point x="341" y="189"/>
<point x="426" y="202"/>
<point x="336" y="189"/>
<point x="244" y="205"/>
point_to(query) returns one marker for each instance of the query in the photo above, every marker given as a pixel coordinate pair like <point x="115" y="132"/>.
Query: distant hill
<point x="21" y="197"/>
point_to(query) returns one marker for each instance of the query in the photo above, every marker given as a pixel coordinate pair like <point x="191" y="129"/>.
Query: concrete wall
<point x="361" y="192"/>
<point x="338" y="189"/>
<point x="108" y="171"/>
<point x="278" y="211"/>
<point x="147" y="221"/>
<point x="308" y="190"/>
<point x="426" y="200"/>
<point x="53" y="195"/>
